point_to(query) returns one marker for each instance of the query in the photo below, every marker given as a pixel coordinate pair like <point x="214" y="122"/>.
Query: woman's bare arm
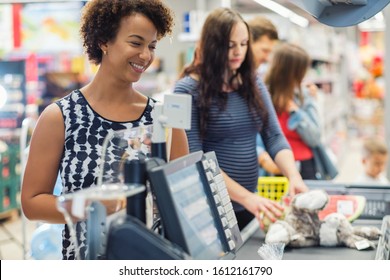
<point x="46" y="147"/>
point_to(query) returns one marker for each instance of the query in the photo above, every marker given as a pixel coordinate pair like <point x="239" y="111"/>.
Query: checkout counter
<point x="197" y="217"/>
<point x="374" y="214"/>
<point x="256" y="239"/>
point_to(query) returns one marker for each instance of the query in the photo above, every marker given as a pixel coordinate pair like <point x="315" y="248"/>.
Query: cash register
<point x="197" y="215"/>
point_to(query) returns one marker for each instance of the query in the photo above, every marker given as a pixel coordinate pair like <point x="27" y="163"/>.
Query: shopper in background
<point x="294" y="104"/>
<point x="230" y="107"/>
<point x="374" y="159"/>
<point x="265" y="37"/>
<point x="121" y="37"/>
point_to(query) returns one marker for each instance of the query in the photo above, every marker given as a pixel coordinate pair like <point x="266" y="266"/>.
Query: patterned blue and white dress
<point x="85" y="131"/>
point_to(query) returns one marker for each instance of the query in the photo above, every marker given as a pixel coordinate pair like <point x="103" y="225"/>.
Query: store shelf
<point x="334" y="111"/>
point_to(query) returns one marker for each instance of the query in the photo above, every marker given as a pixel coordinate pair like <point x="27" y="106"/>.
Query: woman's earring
<point x="105" y="52"/>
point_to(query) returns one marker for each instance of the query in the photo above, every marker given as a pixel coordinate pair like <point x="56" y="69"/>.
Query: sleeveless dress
<point x="85" y="131"/>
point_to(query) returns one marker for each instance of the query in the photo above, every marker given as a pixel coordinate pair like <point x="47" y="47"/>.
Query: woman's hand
<point x="286" y="163"/>
<point x="297" y="185"/>
<point x="259" y="206"/>
<point x="114" y="205"/>
<point x="262" y="207"/>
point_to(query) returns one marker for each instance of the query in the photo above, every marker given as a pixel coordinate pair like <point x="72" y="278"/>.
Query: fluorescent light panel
<point x="376" y="23"/>
<point x="284" y="12"/>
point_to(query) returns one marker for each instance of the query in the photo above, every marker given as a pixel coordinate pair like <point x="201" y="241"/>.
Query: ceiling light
<point x="376" y="23"/>
<point x="284" y="12"/>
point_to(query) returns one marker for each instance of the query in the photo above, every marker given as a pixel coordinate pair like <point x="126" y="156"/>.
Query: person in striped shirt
<point x="230" y="107"/>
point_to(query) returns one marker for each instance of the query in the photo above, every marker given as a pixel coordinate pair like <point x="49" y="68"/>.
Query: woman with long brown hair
<point x="230" y="107"/>
<point x="295" y="107"/>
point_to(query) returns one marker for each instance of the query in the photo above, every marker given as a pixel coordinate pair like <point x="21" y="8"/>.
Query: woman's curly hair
<point x="101" y="19"/>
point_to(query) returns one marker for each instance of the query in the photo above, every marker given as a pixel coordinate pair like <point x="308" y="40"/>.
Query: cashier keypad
<point x="222" y="200"/>
<point x="383" y="248"/>
<point x="375" y="209"/>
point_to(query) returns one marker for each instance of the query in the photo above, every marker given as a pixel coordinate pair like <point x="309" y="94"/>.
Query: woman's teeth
<point x="137" y="66"/>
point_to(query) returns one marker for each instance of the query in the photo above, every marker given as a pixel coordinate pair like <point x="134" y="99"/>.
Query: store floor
<point x="11" y="230"/>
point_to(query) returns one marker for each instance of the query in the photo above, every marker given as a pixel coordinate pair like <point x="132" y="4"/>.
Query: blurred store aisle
<point x="350" y="166"/>
<point x="11" y="233"/>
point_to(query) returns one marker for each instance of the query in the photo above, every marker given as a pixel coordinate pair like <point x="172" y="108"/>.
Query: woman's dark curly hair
<point x="100" y="21"/>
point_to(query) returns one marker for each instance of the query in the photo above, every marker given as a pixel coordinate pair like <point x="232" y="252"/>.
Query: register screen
<point x="196" y="217"/>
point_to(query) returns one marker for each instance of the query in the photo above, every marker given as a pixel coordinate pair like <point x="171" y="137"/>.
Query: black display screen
<point x="195" y="213"/>
<point x="186" y="205"/>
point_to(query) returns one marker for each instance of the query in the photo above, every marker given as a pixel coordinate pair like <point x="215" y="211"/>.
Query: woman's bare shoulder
<point x="51" y="118"/>
<point x="52" y="111"/>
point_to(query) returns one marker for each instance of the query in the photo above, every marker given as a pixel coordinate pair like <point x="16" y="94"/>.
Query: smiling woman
<point x="121" y="37"/>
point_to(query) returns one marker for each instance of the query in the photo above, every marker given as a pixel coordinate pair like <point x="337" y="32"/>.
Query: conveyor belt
<point x="254" y="241"/>
<point x="254" y="237"/>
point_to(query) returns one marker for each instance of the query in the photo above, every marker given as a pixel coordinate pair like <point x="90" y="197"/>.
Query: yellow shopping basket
<point x="273" y="188"/>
